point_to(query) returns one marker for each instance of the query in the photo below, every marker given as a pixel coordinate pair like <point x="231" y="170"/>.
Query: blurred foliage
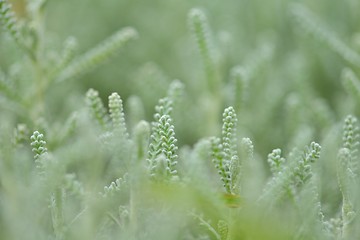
<point x="238" y="28"/>
<point x="279" y="63"/>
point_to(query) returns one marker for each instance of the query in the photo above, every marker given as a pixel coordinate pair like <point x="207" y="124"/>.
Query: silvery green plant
<point x="318" y="29"/>
<point x="224" y="153"/>
<point x="245" y="146"/>
<point x="201" y="32"/>
<point x="288" y="180"/>
<point x="31" y="39"/>
<point x="348" y="172"/>
<point x="162" y="155"/>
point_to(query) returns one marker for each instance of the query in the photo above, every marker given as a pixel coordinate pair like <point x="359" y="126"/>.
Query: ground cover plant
<point x="221" y="120"/>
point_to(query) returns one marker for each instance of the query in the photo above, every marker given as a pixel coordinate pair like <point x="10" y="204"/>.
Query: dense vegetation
<point x="179" y="120"/>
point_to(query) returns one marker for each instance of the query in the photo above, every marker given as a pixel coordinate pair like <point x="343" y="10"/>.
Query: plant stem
<point x="57" y="213"/>
<point x="133" y="213"/>
<point x="38" y="65"/>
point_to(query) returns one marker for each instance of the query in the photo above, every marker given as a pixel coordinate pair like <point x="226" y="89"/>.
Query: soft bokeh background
<point x="165" y="50"/>
<point x="294" y="97"/>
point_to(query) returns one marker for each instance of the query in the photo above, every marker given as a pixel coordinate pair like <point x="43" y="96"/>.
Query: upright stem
<point x="132" y="217"/>
<point x="57" y="213"/>
<point x="38" y="64"/>
<point x="133" y="203"/>
<point x="39" y="91"/>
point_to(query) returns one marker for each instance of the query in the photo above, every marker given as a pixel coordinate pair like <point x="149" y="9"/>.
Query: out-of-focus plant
<point x="199" y="168"/>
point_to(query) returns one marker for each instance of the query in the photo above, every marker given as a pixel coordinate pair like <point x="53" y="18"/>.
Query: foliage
<point x="257" y="140"/>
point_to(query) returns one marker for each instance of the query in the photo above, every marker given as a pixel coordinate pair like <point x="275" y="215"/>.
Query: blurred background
<point x="294" y="92"/>
<point x="299" y="64"/>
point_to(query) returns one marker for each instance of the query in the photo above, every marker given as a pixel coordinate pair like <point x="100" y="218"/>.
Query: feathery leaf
<point x="312" y="24"/>
<point x="201" y="33"/>
<point x="98" y="54"/>
<point x="97" y="108"/>
<point x="117" y="114"/>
